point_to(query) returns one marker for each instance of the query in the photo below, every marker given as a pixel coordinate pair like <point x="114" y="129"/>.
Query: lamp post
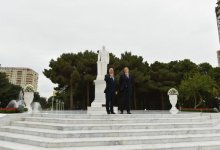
<point x="52" y="103"/>
<point x="54" y="94"/>
<point x="57" y="104"/>
<point x="62" y="105"/>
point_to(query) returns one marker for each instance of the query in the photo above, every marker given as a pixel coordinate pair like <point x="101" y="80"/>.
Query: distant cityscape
<point x="21" y="76"/>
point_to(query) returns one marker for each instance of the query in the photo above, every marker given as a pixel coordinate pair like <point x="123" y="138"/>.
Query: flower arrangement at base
<point x="28" y="88"/>
<point x="8" y="110"/>
<point x="13" y="110"/>
<point x="173" y="91"/>
<point x="211" y="110"/>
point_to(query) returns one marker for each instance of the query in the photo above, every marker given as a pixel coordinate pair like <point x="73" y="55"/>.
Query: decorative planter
<point x="173" y="101"/>
<point x="28" y="98"/>
<point x="173" y="97"/>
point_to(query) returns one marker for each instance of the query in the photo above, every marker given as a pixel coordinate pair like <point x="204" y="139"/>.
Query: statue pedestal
<point x="99" y="93"/>
<point x="98" y="105"/>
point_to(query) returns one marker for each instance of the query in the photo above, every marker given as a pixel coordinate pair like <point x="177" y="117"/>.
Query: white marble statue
<point x="102" y="63"/>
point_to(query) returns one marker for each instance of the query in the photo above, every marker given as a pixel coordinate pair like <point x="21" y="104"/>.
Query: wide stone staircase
<point x="52" y="131"/>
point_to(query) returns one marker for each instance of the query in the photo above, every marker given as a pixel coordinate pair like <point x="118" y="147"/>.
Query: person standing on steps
<point x="110" y="91"/>
<point x="126" y="85"/>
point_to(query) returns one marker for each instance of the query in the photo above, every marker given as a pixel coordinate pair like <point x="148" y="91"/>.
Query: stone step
<point x="169" y="146"/>
<point x="57" y="126"/>
<point x="8" y="145"/>
<point x="47" y="131"/>
<point x="214" y="145"/>
<point x="114" y="120"/>
<point x="106" y="133"/>
<point x="105" y="141"/>
<point x="114" y="116"/>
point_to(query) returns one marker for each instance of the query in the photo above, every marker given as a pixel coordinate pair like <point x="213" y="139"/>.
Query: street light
<point x="52" y="103"/>
<point x="54" y="94"/>
<point x="57" y="104"/>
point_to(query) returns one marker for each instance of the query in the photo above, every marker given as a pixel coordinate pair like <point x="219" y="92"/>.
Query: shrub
<point x="198" y="109"/>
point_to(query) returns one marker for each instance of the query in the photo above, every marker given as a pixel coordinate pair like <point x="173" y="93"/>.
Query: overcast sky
<point x="32" y="32"/>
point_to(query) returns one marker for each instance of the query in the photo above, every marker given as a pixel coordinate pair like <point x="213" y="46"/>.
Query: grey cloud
<point x="34" y="31"/>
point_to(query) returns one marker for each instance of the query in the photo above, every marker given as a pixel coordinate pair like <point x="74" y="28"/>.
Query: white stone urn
<point x="28" y="96"/>
<point x="173" y="97"/>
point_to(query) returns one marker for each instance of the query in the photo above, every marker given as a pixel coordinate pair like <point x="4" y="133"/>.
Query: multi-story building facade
<point x="217" y="11"/>
<point x="21" y="76"/>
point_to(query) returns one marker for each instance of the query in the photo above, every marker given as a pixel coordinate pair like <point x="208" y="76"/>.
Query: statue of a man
<point x="102" y="63"/>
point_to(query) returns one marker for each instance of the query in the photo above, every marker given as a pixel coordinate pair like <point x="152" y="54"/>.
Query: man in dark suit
<point x="126" y="86"/>
<point x="110" y="91"/>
